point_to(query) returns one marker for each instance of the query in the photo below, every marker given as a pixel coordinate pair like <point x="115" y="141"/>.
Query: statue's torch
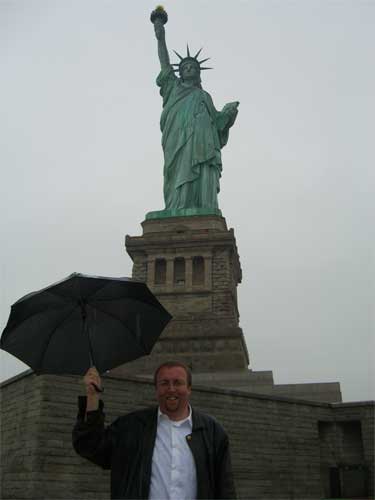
<point x="159" y="16"/>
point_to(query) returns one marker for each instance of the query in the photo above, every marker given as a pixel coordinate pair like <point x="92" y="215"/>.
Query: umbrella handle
<point x="85" y="328"/>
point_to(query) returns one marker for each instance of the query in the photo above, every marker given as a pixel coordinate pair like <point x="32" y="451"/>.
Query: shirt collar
<point x="177" y="423"/>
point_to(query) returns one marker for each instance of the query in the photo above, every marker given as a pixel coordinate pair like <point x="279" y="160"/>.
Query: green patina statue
<point x="193" y="131"/>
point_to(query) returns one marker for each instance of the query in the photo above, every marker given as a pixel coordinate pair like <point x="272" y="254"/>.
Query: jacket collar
<point x="198" y="420"/>
<point x="178" y="422"/>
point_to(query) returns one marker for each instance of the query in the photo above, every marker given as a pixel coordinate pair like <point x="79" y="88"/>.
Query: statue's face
<point x="190" y="71"/>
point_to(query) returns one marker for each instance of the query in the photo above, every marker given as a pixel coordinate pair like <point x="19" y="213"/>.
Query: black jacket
<point x="127" y="445"/>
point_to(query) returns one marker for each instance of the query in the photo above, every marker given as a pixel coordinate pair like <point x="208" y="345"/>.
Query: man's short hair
<point x="172" y="364"/>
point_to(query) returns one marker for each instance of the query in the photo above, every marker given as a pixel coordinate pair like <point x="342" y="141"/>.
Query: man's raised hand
<point x="92" y="381"/>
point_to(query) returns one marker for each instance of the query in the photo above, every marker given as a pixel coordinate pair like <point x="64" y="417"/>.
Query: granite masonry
<point x="193" y="267"/>
<point x="281" y="447"/>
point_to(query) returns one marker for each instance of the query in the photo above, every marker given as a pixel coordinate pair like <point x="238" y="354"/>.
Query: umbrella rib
<point x="125" y="326"/>
<point x="67" y="296"/>
<point x="50" y="337"/>
<point x="33" y="314"/>
<point x="140" y="301"/>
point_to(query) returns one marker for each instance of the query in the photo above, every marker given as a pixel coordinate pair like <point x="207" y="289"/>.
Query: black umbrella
<point x="84" y="321"/>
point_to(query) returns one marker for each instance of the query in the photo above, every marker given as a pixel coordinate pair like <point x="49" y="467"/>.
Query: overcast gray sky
<point x="81" y="161"/>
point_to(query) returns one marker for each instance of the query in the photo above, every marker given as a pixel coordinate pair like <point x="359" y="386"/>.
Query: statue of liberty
<point x="193" y="131"/>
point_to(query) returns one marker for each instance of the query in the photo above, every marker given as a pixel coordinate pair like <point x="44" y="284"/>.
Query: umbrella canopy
<point x="83" y="321"/>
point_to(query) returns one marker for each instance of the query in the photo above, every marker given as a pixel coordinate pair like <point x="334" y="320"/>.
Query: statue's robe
<point x="193" y="133"/>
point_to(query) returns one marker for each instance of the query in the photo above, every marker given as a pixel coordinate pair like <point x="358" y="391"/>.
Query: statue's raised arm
<point x="193" y="131"/>
<point x="159" y="17"/>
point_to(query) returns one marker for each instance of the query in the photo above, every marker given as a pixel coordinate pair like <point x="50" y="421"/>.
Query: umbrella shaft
<point x="85" y="328"/>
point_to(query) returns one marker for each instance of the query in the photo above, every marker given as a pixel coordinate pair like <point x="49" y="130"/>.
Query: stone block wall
<point x="275" y="442"/>
<point x="140" y="269"/>
<point x="223" y="300"/>
<point x="20" y="417"/>
<point x="347" y="453"/>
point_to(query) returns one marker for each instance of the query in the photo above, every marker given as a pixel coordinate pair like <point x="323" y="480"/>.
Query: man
<point x="167" y="452"/>
<point x="193" y="132"/>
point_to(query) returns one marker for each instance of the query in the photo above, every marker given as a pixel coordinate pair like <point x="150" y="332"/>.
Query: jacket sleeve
<point x="224" y="482"/>
<point x="91" y="439"/>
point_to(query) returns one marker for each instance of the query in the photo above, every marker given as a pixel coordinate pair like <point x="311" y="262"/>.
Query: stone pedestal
<point x="192" y="266"/>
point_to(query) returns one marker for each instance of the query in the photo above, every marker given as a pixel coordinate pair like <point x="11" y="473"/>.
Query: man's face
<point x="173" y="392"/>
<point x="190" y="71"/>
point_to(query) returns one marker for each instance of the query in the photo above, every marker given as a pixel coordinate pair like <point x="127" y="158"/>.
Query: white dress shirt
<point x="173" y="474"/>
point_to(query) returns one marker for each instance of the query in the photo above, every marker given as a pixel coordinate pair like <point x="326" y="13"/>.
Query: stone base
<point x="205" y="332"/>
<point x="281" y="448"/>
<point x="261" y="382"/>
<point x="182" y="212"/>
<point x="192" y="265"/>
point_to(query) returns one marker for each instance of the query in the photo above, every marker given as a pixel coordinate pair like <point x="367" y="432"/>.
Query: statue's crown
<point x="189" y="57"/>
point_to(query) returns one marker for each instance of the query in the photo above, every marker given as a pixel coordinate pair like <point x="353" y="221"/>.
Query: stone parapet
<point x="281" y="447"/>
